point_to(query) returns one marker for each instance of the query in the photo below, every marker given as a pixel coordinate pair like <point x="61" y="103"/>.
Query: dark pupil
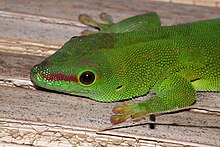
<point x="87" y="78"/>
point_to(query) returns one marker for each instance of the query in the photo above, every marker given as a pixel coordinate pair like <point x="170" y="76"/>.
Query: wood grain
<point x="33" y="30"/>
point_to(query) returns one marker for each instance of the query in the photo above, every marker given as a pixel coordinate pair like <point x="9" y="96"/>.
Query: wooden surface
<point x="210" y="3"/>
<point x="32" y="30"/>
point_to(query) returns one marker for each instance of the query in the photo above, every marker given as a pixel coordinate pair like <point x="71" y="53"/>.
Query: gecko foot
<point x="127" y="110"/>
<point x="87" y="20"/>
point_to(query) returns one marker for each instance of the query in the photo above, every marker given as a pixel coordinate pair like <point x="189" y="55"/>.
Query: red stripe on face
<point x="60" y="77"/>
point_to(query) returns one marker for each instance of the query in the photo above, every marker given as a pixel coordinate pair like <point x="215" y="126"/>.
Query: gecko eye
<point x="87" y="78"/>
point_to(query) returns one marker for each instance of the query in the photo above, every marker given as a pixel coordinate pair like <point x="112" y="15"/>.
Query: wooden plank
<point x="42" y="13"/>
<point x="41" y="28"/>
<point x="70" y="10"/>
<point x="42" y="134"/>
<point x="38" y="32"/>
<point x="55" y="108"/>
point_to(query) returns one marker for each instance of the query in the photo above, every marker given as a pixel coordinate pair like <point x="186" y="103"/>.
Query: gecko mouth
<point x="40" y="75"/>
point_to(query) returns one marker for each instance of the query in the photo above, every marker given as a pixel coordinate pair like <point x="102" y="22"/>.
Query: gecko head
<point x="84" y="66"/>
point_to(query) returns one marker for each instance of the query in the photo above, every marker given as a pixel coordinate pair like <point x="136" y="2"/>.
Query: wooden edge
<point x="36" y="18"/>
<point x="43" y="134"/>
<point x="13" y="82"/>
<point x="10" y="45"/>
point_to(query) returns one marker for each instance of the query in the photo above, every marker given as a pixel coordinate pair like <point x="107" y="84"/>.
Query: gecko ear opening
<point x="119" y="87"/>
<point x="87" y="78"/>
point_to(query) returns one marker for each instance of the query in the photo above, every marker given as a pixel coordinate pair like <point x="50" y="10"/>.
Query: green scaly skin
<point x="134" y="57"/>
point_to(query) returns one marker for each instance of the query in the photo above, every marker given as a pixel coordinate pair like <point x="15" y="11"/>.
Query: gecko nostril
<point x="35" y="69"/>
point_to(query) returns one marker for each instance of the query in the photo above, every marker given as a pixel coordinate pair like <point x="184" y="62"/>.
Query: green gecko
<point x="134" y="57"/>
